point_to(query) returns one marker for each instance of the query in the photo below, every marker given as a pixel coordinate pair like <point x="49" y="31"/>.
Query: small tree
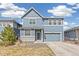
<point x="8" y="36"/>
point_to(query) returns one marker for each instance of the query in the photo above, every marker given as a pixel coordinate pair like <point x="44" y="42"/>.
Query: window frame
<point x="32" y="21"/>
<point x="27" y="32"/>
<point x="54" y="22"/>
<point x="59" y="22"/>
<point x="50" y="22"/>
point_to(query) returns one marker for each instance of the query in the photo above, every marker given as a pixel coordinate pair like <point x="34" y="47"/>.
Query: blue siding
<point x="32" y="15"/>
<point x="30" y="37"/>
<point x="38" y="22"/>
<point x="70" y="35"/>
<point x="22" y="32"/>
<point x="53" y="28"/>
<point x="45" y="22"/>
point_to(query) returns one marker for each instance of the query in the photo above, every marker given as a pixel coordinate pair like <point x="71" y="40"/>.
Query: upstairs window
<point x="60" y="22"/>
<point x="50" y="22"/>
<point x="54" y="22"/>
<point x="32" y="21"/>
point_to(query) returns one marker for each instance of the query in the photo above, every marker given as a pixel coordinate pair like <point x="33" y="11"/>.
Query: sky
<point x="68" y="11"/>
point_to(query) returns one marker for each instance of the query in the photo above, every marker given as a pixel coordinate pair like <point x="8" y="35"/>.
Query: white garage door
<point x="52" y="37"/>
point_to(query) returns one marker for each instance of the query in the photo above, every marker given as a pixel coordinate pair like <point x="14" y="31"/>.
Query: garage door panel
<point x="52" y="37"/>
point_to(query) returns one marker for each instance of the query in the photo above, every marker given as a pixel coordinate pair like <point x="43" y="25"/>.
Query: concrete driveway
<point x="64" y="49"/>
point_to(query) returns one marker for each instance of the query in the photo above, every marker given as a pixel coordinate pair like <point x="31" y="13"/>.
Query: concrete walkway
<point x="64" y="49"/>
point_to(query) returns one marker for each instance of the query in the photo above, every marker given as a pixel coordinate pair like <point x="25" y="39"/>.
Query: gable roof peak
<point x="32" y="8"/>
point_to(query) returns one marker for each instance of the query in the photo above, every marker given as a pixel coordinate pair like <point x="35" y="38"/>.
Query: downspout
<point x="43" y="35"/>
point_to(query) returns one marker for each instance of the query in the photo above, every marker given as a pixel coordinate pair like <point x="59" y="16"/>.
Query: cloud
<point x="73" y="23"/>
<point x="76" y="7"/>
<point x="10" y="6"/>
<point x="72" y="4"/>
<point x="11" y="10"/>
<point x="65" y="23"/>
<point x="61" y="11"/>
<point x="12" y="13"/>
<point x="68" y="25"/>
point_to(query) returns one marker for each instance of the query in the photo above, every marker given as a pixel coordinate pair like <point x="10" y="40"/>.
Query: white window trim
<point x="26" y="32"/>
<point x="31" y="20"/>
<point x="55" y="21"/>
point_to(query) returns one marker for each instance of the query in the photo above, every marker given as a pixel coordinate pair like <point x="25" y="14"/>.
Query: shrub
<point x="8" y="36"/>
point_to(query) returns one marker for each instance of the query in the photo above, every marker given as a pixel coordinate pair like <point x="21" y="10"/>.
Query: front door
<point x="38" y="35"/>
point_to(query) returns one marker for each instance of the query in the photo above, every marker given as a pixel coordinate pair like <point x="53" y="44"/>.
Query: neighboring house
<point x="35" y="27"/>
<point x="5" y="22"/>
<point x="72" y="34"/>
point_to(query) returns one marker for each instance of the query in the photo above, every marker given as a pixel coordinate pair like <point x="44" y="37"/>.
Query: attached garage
<point x="52" y="37"/>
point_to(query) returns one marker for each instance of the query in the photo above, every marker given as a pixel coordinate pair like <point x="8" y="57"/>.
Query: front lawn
<point x="26" y="49"/>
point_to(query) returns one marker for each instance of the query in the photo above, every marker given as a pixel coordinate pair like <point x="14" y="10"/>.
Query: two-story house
<point x="35" y="27"/>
